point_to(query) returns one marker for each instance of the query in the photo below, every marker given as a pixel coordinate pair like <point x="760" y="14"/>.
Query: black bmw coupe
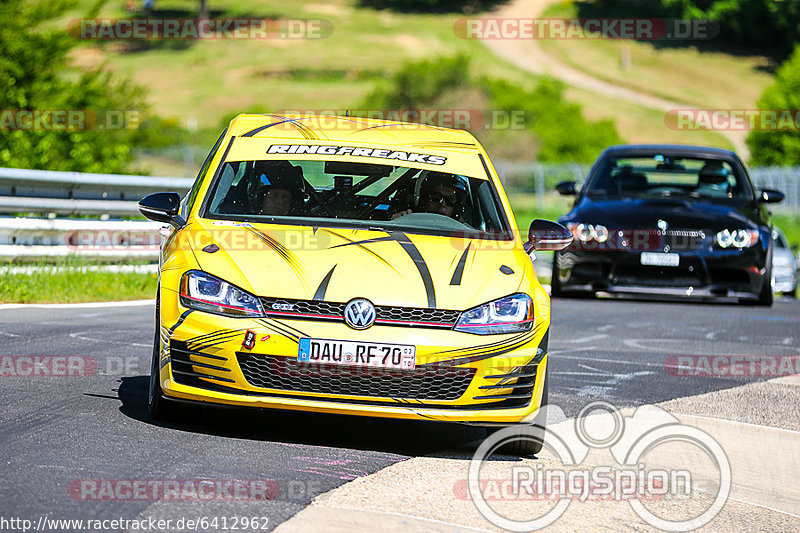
<point x="666" y="220"/>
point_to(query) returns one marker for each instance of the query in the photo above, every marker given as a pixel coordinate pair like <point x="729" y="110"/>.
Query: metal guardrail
<point x="74" y="193"/>
<point x="42" y="192"/>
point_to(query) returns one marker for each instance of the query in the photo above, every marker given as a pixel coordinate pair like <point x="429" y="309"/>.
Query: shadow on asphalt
<point x="403" y="437"/>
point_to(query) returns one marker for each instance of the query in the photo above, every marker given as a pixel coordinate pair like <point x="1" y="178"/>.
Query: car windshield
<point x="665" y="176"/>
<point x="315" y="192"/>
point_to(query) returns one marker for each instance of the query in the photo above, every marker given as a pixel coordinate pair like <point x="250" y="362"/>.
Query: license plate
<point x="356" y="353"/>
<point x="662" y="260"/>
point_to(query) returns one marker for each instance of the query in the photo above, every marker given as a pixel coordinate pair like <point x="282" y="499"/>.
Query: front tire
<point x="766" y="297"/>
<point x="158" y="407"/>
<point x="535" y="432"/>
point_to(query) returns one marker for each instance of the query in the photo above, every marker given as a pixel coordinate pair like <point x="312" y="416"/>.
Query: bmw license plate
<point x="660" y="259"/>
<point x="356" y="353"/>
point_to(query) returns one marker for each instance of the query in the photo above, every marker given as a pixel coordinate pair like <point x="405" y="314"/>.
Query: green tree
<point x="36" y="75"/>
<point x="780" y="147"/>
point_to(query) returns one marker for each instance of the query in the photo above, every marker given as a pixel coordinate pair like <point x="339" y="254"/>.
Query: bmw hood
<point x="646" y="214"/>
<point x="339" y="264"/>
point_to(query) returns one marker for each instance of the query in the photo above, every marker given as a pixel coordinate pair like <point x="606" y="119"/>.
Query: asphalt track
<point x="57" y="431"/>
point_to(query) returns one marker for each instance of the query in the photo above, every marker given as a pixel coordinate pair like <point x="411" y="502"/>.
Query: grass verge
<point x="72" y="280"/>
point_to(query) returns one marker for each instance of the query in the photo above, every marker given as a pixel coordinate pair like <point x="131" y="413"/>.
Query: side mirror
<point x="770" y="196"/>
<point x="566" y="188"/>
<point x="547" y="236"/>
<point x="162" y="207"/>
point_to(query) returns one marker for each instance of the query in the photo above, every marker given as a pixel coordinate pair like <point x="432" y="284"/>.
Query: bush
<point x="37" y="77"/>
<point x="782" y="147"/>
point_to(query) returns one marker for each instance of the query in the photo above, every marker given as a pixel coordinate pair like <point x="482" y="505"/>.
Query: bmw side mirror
<point x="566" y="188"/>
<point x="770" y="196"/>
<point x="547" y="236"/>
<point x="162" y="207"/>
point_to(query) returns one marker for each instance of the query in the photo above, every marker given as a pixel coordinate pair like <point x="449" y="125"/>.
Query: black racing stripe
<point x="482" y="347"/>
<point x="280" y="331"/>
<point x="472" y="359"/>
<point x="365" y="241"/>
<point x="478" y="357"/>
<point x="180" y="321"/>
<point x="419" y="262"/>
<point x="292" y="121"/>
<point x="287" y="327"/>
<point x="364" y="248"/>
<point x="209" y="335"/>
<point x="323" y="286"/>
<point x="459" y="271"/>
<point x="286" y="254"/>
<point x="208" y="343"/>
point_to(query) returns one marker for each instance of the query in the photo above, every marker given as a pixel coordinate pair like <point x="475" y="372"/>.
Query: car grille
<point x="287" y="374"/>
<point x="655" y="276"/>
<point x="384" y="314"/>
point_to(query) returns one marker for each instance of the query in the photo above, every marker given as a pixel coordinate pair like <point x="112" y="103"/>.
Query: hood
<point x="678" y="213"/>
<point x="338" y="264"/>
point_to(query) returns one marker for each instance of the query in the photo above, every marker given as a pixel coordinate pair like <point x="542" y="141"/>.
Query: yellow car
<point x="351" y="266"/>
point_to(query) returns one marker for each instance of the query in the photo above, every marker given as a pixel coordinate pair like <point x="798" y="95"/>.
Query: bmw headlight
<point x="205" y="292"/>
<point x="588" y="232"/>
<point x="738" y="238"/>
<point x="511" y="314"/>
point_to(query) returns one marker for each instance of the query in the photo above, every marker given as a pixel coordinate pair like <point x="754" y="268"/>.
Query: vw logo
<point x="359" y="313"/>
<point x="662" y="225"/>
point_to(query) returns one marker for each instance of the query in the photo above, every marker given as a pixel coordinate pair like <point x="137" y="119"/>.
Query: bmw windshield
<point x="661" y="176"/>
<point x="316" y="192"/>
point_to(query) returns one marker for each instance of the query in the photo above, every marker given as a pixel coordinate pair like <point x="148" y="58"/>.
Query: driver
<point x="713" y="180"/>
<point x="439" y="193"/>
<point x="280" y="190"/>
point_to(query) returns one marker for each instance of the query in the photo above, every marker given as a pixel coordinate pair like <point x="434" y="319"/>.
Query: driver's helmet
<point x="713" y="173"/>
<point x="277" y="175"/>
<point x="459" y="184"/>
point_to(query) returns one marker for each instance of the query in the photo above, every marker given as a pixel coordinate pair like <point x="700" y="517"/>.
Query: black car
<point x="676" y="221"/>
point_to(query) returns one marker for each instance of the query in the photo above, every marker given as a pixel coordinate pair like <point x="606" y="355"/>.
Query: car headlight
<point x="511" y="314"/>
<point x="738" y="238"/>
<point x="588" y="232"/>
<point x="205" y="292"/>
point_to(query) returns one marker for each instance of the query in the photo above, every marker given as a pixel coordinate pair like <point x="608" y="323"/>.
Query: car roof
<point x="326" y="128"/>
<point x="676" y="150"/>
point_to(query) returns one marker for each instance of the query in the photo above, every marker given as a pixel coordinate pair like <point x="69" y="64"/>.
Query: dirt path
<point x="528" y="55"/>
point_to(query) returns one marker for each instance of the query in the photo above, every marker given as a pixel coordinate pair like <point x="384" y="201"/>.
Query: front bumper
<point x="717" y="274"/>
<point x="459" y="377"/>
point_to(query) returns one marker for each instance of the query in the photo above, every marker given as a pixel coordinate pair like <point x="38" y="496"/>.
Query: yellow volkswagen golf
<point x="351" y="266"/>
